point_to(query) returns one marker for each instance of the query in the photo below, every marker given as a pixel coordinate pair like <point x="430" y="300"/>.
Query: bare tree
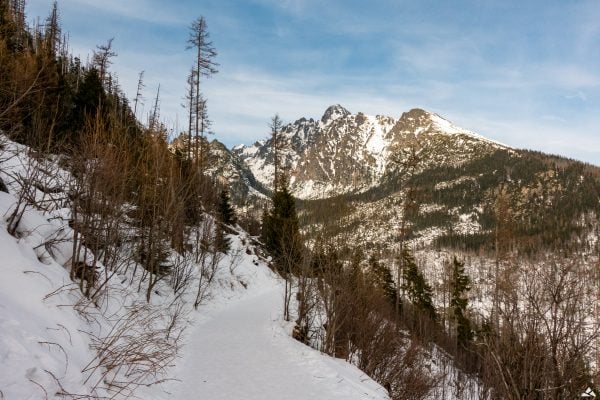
<point x="207" y="258"/>
<point x="350" y="316"/>
<point x="199" y="142"/>
<point x="19" y="97"/>
<point x="199" y="39"/>
<point x="545" y="343"/>
<point x="137" y="351"/>
<point x="276" y="148"/>
<point x="190" y="97"/>
<point x="52" y="33"/>
<point x="153" y="121"/>
<point x="407" y="163"/>
<point x="102" y="58"/>
<point x="99" y="186"/>
<point x="138" y="93"/>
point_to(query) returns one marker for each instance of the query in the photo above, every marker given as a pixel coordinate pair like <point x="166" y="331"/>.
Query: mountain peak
<point x="415" y="114"/>
<point x="344" y="152"/>
<point x="334" y="112"/>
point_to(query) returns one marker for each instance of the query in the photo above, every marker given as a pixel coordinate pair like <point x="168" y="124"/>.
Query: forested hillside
<point x="469" y="248"/>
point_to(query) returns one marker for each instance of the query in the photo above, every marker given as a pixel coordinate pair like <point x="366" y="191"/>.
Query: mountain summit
<point x="334" y="112"/>
<point x="351" y="153"/>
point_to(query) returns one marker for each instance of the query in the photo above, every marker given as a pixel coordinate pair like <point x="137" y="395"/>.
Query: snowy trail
<point x="243" y="352"/>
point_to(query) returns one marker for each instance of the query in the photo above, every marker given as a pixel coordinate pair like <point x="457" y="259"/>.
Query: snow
<point x="447" y="127"/>
<point x="376" y="143"/>
<point x="39" y="338"/>
<point x="311" y="189"/>
<point x="243" y="350"/>
<point x="262" y="171"/>
<point x="467" y="224"/>
<point x="455" y="182"/>
<point x="239" y="348"/>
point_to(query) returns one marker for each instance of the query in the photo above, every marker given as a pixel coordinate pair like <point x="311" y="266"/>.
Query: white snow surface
<point x="241" y="348"/>
<point x="449" y="128"/>
<point x="376" y="142"/>
<point x="39" y="336"/>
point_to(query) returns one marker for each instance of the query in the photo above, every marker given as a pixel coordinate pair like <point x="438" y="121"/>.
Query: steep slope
<point x="226" y="166"/>
<point x="545" y="202"/>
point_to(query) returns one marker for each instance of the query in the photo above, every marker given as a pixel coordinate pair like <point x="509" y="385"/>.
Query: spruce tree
<point x="416" y="288"/>
<point x="460" y="284"/>
<point x="89" y="98"/>
<point x="280" y="231"/>
<point x="281" y="237"/>
<point x="226" y="211"/>
<point x="225" y="217"/>
<point x="222" y="243"/>
<point x="277" y="145"/>
<point x="383" y="279"/>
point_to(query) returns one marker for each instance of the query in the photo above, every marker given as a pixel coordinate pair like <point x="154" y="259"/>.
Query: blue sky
<point x="525" y="73"/>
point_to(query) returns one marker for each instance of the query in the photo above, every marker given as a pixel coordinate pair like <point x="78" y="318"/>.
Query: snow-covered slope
<point x="240" y="348"/>
<point x="39" y="336"/>
<point x="55" y="343"/>
<point x="350" y="153"/>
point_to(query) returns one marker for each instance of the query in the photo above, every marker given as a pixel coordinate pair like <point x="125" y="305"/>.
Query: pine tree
<point x="382" y="277"/>
<point x="281" y="237"/>
<point x="52" y="34"/>
<point x="280" y="231"/>
<point x="11" y="29"/>
<point x="225" y="216"/>
<point x="102" y="58"/>
<point x="460" y="284"/>
<point x="89" y="98"/>
<point x="416" y="288"/>
<point x="276" y="148"/>
<point x="226" y="211"/>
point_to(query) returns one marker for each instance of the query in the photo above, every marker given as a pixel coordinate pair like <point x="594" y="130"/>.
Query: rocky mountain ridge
<point x="351" y="172"/>
<point x="345" y="153"/>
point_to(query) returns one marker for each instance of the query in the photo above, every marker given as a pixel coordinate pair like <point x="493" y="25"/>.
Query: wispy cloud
<point x="529" y="78"/>
<point x="142" y="10"/>
<point x="257" y="96"/>
<point x="570" y="76"/>
<point x="577" y="96"/>
<point x="547" y="133"/>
